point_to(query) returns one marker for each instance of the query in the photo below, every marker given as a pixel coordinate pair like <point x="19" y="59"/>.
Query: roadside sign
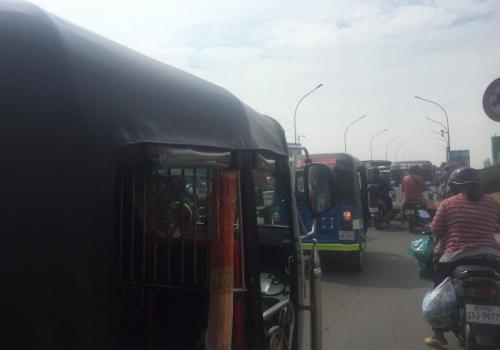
<point x="495" y="150"/>
<point x="460" y="158"/>
<point x="491" y="100"/>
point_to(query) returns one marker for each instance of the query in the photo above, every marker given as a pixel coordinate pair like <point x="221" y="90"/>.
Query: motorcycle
<point x="417" y="216"/>
<point x="477" y="289"/>
<point x="379" y="213"/>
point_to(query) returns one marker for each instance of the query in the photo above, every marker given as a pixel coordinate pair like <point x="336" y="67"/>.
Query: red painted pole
<point x="222" y="218"/>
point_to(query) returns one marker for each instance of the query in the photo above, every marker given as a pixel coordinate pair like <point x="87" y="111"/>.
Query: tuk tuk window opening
<point x="163" y="207"/>
<point x="348" y="185"/>
<point x="271" y="202"/>
<point x="299" y="183"/>
<point x="275" y="240"/>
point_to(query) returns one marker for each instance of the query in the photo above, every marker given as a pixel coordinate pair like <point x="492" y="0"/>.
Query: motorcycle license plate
<point x="373" y="210"/>
<point x="487" y="314"/>
<point x="409" y="211"/>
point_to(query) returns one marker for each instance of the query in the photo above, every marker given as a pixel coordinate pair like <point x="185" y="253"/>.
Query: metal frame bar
<point x="144" y="226"/>
<point x="132" y="230"/>
<point x="120" y="225"/>
<point x="255" y="334"/>
<point x="181" y="222"/>
<point x="195" y="226"/>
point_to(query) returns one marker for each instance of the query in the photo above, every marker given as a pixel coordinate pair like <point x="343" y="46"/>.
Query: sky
<point x="371" y="56"/>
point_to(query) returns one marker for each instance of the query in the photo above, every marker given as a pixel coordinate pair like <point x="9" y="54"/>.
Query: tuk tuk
<point x="340" y="232"/>
<point x="134" y="206"/>
<point x="380" y="204"/>
<point x="384" y="167"/>
<point x="400" y="169"/>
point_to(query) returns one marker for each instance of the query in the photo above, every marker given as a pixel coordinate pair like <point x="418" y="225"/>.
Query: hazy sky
<point x="372" y="57"/>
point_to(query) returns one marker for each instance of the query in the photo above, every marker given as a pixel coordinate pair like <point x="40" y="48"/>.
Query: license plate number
<point x="373" y="210"/>
<point x="409" y="211"/>
<point x="482" y="314"/>
<point x="346" y="235"/>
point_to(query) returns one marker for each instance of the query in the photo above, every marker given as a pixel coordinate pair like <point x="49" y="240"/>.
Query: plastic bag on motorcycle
<point x="422" y="250"/>
<point x="440" y="306"/>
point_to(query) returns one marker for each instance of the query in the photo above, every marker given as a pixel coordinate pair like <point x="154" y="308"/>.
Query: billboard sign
<point x="460" y="158"/>
<point x="495" y="150"/>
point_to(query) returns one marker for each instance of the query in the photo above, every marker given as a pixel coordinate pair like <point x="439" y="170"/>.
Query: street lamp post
<point x="397" y="150"/>
<point x="371" y="142"/>
<point x="345" y="132"/>
<point x="447" y="124"/>
<point x="387" y="146"/>
<point x="295" y="113"/>
<point x="443" y="131"/>
<point x="440" y="134"/>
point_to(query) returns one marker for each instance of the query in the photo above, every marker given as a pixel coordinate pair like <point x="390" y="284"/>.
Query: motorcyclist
<point x="380" y="189"/>
<point x="413" y="188"/>
<point x="464" y="225"/>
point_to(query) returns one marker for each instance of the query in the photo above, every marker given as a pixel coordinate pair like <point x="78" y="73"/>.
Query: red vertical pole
<point x="223" y="212"/>
<point x="238" y="307"/>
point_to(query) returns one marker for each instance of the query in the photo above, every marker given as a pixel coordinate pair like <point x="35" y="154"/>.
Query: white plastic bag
<point x="440" y="305"/>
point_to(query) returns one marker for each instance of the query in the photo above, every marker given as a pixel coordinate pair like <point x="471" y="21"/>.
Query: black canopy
<point x="117" y="94"/>
<point x="69" y="100"/>
<point x="343" y="160"/>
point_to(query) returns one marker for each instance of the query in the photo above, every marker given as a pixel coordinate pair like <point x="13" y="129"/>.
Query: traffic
<point x="146" y="208"/>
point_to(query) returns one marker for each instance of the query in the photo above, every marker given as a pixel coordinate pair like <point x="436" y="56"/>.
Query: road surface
<point x="379" y="308"/>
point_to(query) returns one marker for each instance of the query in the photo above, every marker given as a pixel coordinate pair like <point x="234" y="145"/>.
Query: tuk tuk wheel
<point x="357" y="259"/>
<point x="412" y="226"/>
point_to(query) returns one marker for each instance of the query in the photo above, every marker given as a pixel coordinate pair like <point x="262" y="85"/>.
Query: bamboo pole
<point x="223" y="211"/>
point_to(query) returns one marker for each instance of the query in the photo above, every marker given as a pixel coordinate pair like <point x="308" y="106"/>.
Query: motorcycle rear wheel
<point x="412" y="226"/>
<point x="470" y="340"/>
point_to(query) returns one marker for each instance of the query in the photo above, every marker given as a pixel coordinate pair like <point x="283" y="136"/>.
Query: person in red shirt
<point x="413" y="188"/>
<point x="465" y="226"/>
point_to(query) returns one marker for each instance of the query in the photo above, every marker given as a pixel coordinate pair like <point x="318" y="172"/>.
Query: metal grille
<point x="163" y="227"/>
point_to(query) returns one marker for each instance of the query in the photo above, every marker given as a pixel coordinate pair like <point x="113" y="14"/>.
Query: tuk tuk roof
<point x="410" y="163"/>
<point x="70" y="100"/>
<point x="113" y="93"/>
<point x="377" y="163"/>
<point x="344" y="160"/>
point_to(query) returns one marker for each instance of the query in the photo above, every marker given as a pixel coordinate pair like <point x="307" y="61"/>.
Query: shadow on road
<point x="382" y="270"/>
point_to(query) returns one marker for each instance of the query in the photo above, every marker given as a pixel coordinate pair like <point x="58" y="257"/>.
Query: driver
<point x="413" y="188"/>
<point x="382" y="192"/>
<point x="464" y="226"/>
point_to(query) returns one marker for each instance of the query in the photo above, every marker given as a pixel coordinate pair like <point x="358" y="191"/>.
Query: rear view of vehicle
<point x="340" y="232"/>
<point x="416" y="216"/>
<point x="399" y="170"/>
<point x="375" y="208"/>
<point x="477" y="289"/>
<point x="378" y="184"/>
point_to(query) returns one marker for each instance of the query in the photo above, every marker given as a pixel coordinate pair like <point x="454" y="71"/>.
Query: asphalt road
<point x="379" y="308"/>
